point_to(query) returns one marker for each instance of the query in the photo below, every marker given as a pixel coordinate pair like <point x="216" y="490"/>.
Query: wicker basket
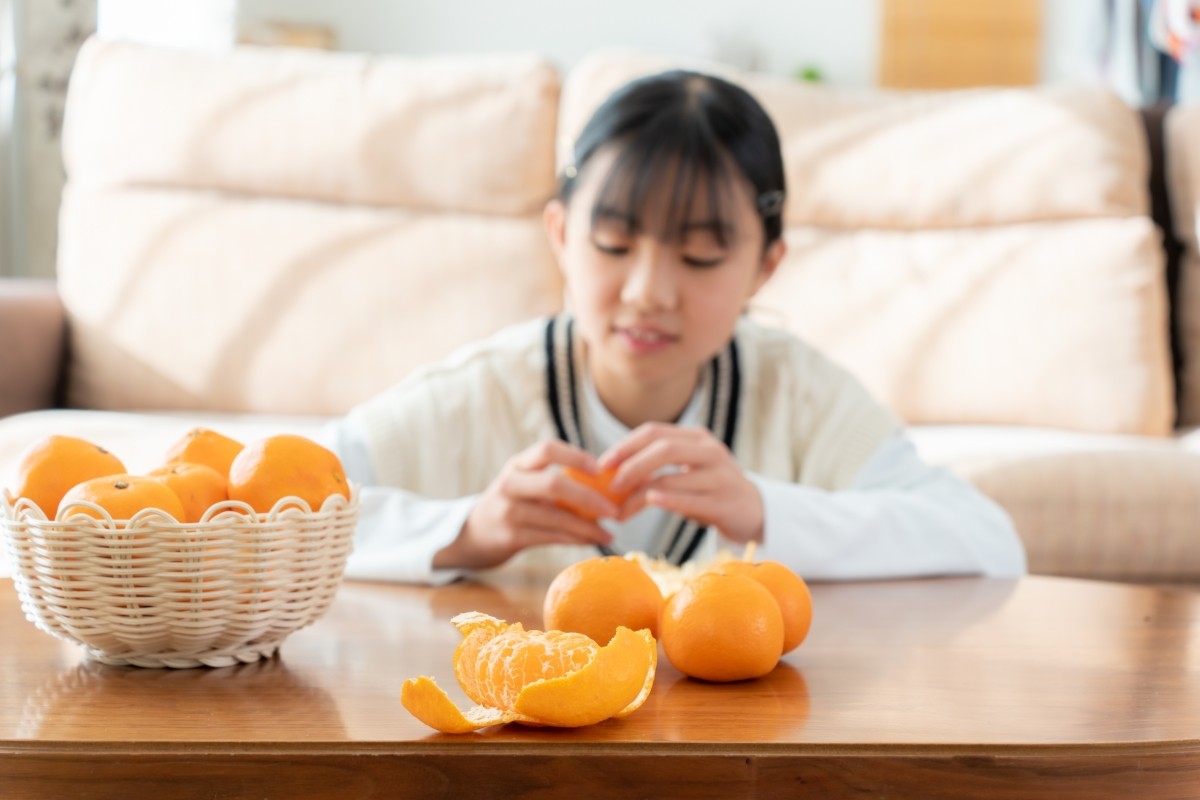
<point x="160" y="593"/>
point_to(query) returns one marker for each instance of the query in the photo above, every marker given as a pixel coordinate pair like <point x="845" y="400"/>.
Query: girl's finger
<point x="687" y="453"/>
<point x="553" y="451"/>
<point x="546" y="486"/>
<point x="541" y="536"/>
<point x="633" y="504"/>
<point x="575" y="529"/>
<point x="574" y="495"/>
<point x="694" y="480"/>
<point x="555" y="488"/>
<point x="699" y="506"/>
<point x="640" y="438"/>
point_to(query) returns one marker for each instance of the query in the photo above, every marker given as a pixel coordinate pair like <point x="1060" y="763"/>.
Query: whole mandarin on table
<point x="789" y="590"/>
<point x="49" y="467"/>
<point x="204" y="446"/>
<point x="286" y="465"/>
<point x="722" y="628"/>
<point x="596" y="596"/>
<point x="122" y="496"/>
<point x="198" y="486"/>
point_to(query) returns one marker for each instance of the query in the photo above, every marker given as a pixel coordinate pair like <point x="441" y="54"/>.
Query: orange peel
<point x="551" y="678"/>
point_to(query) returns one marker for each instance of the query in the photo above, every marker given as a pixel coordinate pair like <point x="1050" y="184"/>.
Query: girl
<point x="667" y="221"/>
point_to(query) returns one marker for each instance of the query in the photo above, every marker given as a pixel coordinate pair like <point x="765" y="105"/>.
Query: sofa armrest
<point x="32" y="344"/>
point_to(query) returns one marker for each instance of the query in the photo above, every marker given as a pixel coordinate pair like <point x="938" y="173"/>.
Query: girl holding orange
<point x="716" y="431"/>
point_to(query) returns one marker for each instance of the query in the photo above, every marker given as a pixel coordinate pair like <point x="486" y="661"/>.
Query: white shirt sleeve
<point x="900" y="518"/>
<point x="398" y="532"/>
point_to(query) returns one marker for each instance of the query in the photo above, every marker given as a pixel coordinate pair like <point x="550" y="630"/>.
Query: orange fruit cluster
<point x="200" y="470"/>
<point x="553" y="678"/>
<point x="732" y="621"/>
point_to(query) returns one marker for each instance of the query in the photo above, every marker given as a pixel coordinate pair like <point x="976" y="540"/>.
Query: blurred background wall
<point x="854" y="44"/>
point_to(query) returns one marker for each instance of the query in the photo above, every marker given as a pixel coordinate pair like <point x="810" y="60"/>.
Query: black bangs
<point x="666" y="166"/>
<point x="680" y="137"/>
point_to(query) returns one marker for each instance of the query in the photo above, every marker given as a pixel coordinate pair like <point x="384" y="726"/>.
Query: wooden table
<point x="1045" y="688"/>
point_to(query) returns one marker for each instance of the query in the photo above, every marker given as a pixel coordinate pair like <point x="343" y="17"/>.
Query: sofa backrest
<point x="982" y="256"/>
<point x="293" y="231"/>
<point x="1181" y="137"/>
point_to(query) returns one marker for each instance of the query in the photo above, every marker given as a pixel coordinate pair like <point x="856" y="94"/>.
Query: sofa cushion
<point x="212" y="259"/>
<point x="451" y="133"/>
<point x="204" y="301"/>
<point x="1182" y="161"/>
<point x="981" y="256"/>
<point x="1089" y="505"/>
<point x="1034" y="323"/>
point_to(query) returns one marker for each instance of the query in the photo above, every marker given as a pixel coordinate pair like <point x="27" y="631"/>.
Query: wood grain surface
<point x="1039" y="688"/>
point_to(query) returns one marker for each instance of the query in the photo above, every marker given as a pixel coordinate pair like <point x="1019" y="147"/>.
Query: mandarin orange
<point x="52" y="465"/>
<point x="596" y="596"/>
<point x="198" y="486"/>
<point x="552" y="678"/>
<point x="789" y="590"/>
<point x="204" y="446"/>
<point x="122" y="496"/>
<point x="286" y="465"/>
<point x="722" y="628"/>
<point x="601" y="482"/>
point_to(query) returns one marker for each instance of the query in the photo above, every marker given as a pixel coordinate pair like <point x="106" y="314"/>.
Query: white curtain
<point x="43" y="42"/>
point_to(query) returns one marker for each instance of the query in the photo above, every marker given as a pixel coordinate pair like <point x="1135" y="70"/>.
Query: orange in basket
<point x="205" y="446"/>
<point x="536" y="677"/>
<point x="51" y="466"/>
<point x="158" y="590"/>
<point x="286" y="465"/>
<point x="122" y="496"/>
<point x="198" y="487"/>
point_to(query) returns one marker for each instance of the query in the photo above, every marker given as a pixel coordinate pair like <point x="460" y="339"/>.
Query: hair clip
<point x="770" y="203"/>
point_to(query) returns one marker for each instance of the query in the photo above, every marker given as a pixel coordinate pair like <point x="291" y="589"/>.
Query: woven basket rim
<point x="218" y="516"/>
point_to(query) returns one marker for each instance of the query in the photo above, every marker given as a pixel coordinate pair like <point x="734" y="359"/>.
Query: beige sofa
<point x="258" y="240"/>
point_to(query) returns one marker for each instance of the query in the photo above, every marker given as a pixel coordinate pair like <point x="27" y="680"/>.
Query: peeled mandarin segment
<point x="477" y="630"/>
<point x="426" y="701"/>
<point x="496" y="660"/>
<point x="612" y="682"/>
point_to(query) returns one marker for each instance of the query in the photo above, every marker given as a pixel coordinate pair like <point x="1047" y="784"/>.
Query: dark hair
<point x="699" y="125"/>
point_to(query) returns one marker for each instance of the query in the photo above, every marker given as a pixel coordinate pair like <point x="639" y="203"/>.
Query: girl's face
<point x="654" y="308"/>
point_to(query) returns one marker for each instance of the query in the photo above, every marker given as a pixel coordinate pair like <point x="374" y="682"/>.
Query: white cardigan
<point x="844" y="494"/>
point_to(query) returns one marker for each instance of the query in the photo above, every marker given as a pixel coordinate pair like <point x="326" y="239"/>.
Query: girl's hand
<point x="709" y="486"/>
<point x="519" y="510"/>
